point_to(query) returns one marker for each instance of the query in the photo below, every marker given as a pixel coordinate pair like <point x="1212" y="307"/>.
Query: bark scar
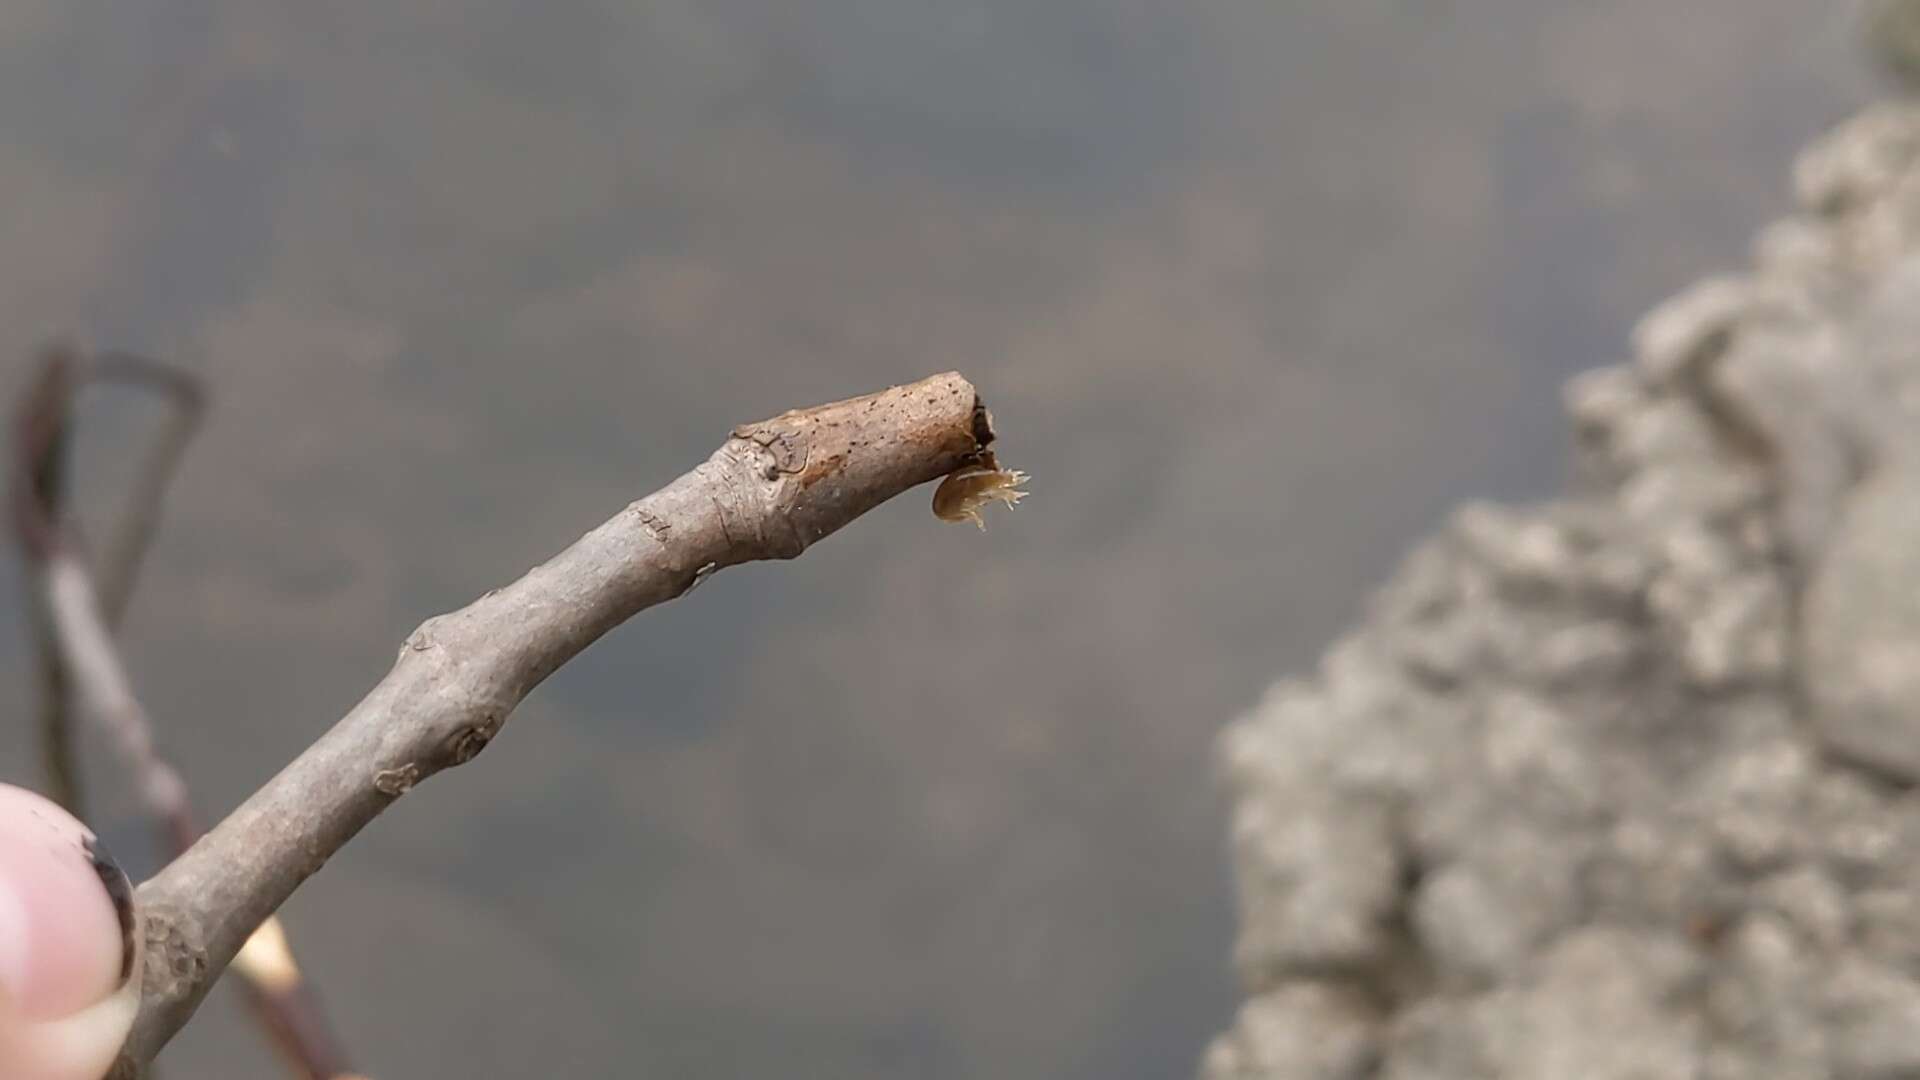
<point x="788" y="449"/>
<point x="397" y="782"/>
<point x="700" y="577"/>
<point x="469" y="741"/>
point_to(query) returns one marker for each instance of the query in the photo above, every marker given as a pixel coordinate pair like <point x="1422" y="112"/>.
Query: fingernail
<point x="120" y="892"/>
<point x="65" y="912"/>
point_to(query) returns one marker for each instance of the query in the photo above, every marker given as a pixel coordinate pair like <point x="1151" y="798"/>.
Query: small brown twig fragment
<point x="78" y="617"/>
<point x="772" y="489"/>
<point x="288" y="1007"/>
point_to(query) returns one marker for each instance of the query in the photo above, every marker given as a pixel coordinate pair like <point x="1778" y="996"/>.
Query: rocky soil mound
<point x="1622" y="786"/>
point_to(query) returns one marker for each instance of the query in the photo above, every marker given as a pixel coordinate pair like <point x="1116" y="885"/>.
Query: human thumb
<point x="68" y="953"/>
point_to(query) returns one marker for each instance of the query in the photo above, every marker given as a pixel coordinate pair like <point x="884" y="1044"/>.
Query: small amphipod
<point x="975" y="484"/>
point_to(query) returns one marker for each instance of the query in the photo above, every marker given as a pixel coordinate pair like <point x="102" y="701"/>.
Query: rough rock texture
<point x="1892" y="31"/>
<point x="1620" y="787"/>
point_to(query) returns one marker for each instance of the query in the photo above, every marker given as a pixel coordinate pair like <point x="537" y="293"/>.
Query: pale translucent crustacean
<point x="975" y="484"/>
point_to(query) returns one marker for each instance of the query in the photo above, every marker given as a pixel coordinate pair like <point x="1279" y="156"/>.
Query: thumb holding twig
<point x="67" y="952"/>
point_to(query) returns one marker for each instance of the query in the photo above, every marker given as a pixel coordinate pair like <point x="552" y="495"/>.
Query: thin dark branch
<point x="39" y="429"/>
<point x="39" y="493"/>
<point x="123" y="554"/>
<point x="76" y="622"/>
<point x="770" y="491"/>
<point x="59" y="757"/>
<point x="41" y="509"/>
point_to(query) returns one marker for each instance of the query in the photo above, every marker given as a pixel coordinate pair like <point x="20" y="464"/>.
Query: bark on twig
<point x="77" y="618"/>
<point x="770" y="491"/>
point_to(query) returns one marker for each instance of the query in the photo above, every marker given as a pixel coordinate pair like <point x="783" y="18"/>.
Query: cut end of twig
<point x="979" y="480"/>
<point x="983" y="433"/>
<point x="831" y="463"/>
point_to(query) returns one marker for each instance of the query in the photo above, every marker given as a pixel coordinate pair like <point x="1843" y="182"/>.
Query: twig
<point x="770" y="491"/>
<point x="122" y="557"/>
<point x="57" y="756"/>
<point x="79" y="620"/>
<point x="85" y="643"/>
<point x="285" y="1002"/>
<point x="39" y="429"/>
<point x="132" y="537"/>
<point x="46" y="481"/>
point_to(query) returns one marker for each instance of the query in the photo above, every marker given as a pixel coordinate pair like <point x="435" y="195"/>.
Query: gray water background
<point x="1256" y="290"/>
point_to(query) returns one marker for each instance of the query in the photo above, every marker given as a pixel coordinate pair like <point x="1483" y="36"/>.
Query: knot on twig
<point x="422" y="638"/>
<point x="656" y="526"/>
<point x="785" y="449"/>
<point x="396" y="782"/>
<point x="174" y="963"/>
<point x="763" y="470"/>
<point x="469" y="741"/>
<point x="782" y="451"/>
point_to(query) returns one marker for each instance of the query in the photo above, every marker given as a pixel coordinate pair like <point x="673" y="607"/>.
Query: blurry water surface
<point x="1255" y="288"/>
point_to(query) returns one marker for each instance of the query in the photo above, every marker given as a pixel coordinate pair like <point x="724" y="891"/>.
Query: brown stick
<point x="770" y="491"/>
<point x="45" y="480"/>
<point x="49" y="430"/>
<point x="85" y="644"/>
<point x="58" y="758"/>
<point x="122" y="557"/>
<point x="78" y="621"/>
